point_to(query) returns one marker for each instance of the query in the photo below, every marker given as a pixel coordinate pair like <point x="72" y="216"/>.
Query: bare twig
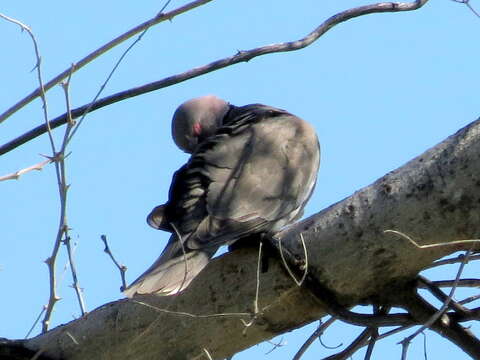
<point x="275" y="346"/>
<point x="374" y="331"/>
<point x="16" y="175"/>
<point x="190" y="315"/>
<point x="160" y="17"/>
<point x="64" y="187"/>
<point x="454" y="260"/>
<point x="352" y="348"/>
<point x="75" y="284"/>
<point x="208" y="354"/>
<point x="467" y="3"/>
<point x="36" y="321"/>
<point x="371" y="343"/>
<point x="440" y="295"/>
<point x="287" y="267"/>
<point x="257" y="287"/>
<point x="122" y="268"/>
<point x="41" y="88"/>
<point x="240" y="56"/>
<point x="256" y="310"/>
<point x="469" y="283"/>
<point x="425" y="357"/>
<point x="185" y="271"/>
<point x="63" y="228"/>
<point x="447" y="244"/>
<point x="315" y="335"/>
<point x="469" y="299"/>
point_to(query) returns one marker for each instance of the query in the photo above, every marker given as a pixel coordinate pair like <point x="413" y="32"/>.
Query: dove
<point x="251" y="171"/>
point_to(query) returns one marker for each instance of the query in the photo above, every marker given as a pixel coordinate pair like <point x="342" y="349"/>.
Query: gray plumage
<point x="252" y="170"/>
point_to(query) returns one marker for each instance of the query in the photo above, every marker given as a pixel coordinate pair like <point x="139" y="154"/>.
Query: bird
<point x="251" y="171"/>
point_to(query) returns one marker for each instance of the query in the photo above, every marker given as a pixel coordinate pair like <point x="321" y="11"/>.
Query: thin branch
<point x="315" y="335"/>
<point x="63" y="229"/>
<point x="371" y="343"/>
<point x="467" y="3"/>
<point x="256" y="310"/>
<point x="454" y="260"/>
<point x="275" y="346"/>
<point x="160" y="17"/>
<point x="440" y="295"/>
<point x="41" y="88"/>
<point x="240" y="56"/>
<point x="75" y="284"/>
<point x="352" y="348"/>
<point x="287" y="267"/>
<point x="257" y="287"/>
<point x="185" y="263"/>
<point x="190" y="315"/>
<point x="469" y="299"/>
<point x="36" y="322"/>
<point x="16" y="175"/>
<point x="425" y="357"/>
<point x="208" y="354"/>
<point x="67" y="239"/>
<point x="428" y="246"/>
<point x="447" y="326"/>
<point x="122" y="268"/>
<point x="471" y="283"/>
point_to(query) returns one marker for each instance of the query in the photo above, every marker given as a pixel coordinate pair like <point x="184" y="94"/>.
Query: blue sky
<point x="379" y="90"/>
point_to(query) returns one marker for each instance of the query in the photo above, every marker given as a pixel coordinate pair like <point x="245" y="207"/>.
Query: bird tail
<point x="172" y="272"/>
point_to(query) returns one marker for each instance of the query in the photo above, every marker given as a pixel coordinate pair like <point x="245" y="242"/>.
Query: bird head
<point x="197" y="119"/>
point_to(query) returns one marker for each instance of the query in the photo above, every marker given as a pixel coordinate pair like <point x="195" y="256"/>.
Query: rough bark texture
<point x="435" y="198"/>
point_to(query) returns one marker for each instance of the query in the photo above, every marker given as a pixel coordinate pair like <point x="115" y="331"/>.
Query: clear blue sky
<point x="379" y="90"/>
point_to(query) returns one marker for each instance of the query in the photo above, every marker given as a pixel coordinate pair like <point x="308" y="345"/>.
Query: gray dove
<point x="252" y="170"/>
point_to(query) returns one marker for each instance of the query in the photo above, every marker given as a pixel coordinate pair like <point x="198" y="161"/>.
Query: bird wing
<point x="261" y="169"/>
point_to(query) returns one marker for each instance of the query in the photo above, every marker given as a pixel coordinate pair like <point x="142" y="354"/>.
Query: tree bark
<point x="434" y="198"/>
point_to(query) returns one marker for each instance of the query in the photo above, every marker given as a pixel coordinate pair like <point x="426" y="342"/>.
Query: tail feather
<point x="172" y="272"/>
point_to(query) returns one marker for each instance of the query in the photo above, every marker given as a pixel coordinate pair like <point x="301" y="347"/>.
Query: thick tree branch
<point x="240" y="56"/>
<point x="434" y="198"/>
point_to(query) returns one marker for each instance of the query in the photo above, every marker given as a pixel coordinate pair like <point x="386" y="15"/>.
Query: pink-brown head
<point x="197" y="119"/>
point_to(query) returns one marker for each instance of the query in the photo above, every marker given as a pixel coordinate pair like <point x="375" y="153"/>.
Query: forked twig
<point x="122" y="268"/>
<point x="287" y="267"/>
